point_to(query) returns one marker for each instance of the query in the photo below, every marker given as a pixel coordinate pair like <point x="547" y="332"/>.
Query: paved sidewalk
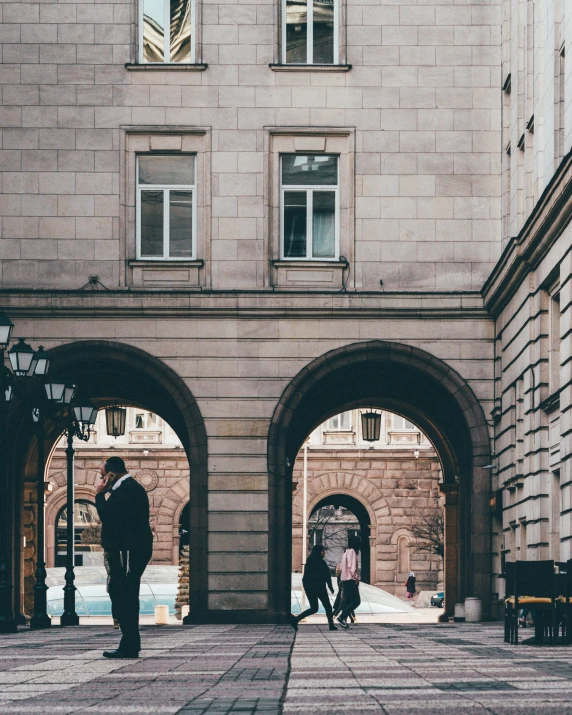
<point x="393" y="669"/>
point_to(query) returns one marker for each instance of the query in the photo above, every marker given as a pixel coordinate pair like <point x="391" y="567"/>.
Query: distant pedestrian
<point x="349" y="578"/>
<point x="410" y="585"/>
<point x="315" y="579"/>
<point x="127" y="540"/>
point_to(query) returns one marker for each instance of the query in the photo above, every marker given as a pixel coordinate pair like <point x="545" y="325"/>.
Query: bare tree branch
<point x="428" y="531"/>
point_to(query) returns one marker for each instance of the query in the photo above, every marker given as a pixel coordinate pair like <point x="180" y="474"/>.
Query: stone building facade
<point x="153" y="239"/>
<point x="529" y="292"/>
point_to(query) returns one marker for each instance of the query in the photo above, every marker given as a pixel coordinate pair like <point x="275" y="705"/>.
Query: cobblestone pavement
<point x="372" y="668"/>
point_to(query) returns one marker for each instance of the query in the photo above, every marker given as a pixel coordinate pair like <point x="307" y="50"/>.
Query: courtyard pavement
<point x="373" y="668"/>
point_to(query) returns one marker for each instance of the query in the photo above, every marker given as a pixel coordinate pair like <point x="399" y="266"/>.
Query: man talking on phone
<point x="127" y="539"/>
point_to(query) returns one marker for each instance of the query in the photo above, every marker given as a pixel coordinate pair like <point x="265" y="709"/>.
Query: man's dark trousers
<point x="125" y="571"/>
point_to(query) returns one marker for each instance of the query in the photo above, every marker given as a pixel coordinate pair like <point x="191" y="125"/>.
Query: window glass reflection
<point x="323" y="32"/>
<point x="295" y="224"/>
<point x="180" y="37"/>
<point x="318" y="170"/>
<point x="153" y="31"/>
<point x="181" y="224"/>
<point x="324" y="224"/>
<point x="296" y="31"/>
<point x="152" y="223"/>
<point x="167" y="170"/>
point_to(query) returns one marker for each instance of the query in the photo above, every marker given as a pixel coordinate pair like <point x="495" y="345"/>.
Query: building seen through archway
<point x="153" y="454"/>
<point x="385" y="492"/>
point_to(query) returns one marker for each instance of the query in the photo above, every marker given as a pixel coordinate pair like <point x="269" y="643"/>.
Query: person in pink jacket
<point x="350" y="580"/>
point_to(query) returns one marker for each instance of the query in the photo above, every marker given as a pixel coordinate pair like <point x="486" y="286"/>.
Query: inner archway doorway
<point x="340" y="531"/>
<point x="420" y="387"/>
<point x="115" y="373"/>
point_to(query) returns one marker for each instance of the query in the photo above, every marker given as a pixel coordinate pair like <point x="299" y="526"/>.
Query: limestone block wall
<point x="420" y="106"/>
<point x="396" y="488"/>
<point x="163" y="473"/>
<point x="534" y="408"/>
<point x="537" y="116"/>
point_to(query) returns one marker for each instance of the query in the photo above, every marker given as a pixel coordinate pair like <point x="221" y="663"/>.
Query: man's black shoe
<point x="119" y="654"/>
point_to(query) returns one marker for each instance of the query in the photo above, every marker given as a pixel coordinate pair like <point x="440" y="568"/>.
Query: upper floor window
<point x="166" y="28"/>
<point x="310" y="32"/>
<point x="401" y="423"/>
<point x="166" y="215"/>
<point x="310" y="206"/>
<point x="146" y="421"/>
<point x="343" y="421"/>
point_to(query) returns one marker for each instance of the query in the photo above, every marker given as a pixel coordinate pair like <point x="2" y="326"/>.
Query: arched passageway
<point x="110" y="372"/>
<point x="361" y="514"/>
<point x="425" y="390"/>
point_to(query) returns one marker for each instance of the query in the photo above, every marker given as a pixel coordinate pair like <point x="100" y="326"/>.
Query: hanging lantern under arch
<point x="115" y="418"/>
<point x="371" y="426"/>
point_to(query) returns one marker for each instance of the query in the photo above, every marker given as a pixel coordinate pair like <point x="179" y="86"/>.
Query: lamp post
<point x="7" y="622"/>
<point x="80" y="420"/>
<point x="25" y="364"/>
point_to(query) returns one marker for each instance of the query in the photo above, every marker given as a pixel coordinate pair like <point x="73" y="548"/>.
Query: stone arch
<point x="378" y="515"/>
<point x="108" y="372"/>
<point x="53" y="508"/>
<point x="413" y="383"/>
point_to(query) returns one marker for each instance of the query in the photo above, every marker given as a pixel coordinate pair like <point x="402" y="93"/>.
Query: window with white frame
<point x="400" y="423"/>
<point x="343" y="421"/>
<point x="146" y="421"/>
<point x="166" y="31"/>
<point x="310" y="32"/>
<point x="166" y="201"/>
<point x="309" y="207"/>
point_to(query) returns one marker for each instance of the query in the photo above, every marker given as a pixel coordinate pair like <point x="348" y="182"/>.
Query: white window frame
<point x="167" y="37"/>
<point x="331" y="428"/>
<point x="309" y="189"/>
<point x="310" y="35"/>
<point x="146" y="428"/>
<point x="413" y="428"/>
<point x="166" y="188"/>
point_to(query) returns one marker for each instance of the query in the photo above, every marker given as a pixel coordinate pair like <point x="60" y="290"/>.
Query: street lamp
<point x="371" y="425"/>
<point x="80" y="420"/>
<point x="21" y="357"/>
<point x="115" y="417"/>
<point x="25" y="364"/>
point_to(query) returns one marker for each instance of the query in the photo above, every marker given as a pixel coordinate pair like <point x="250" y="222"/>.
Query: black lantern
<point x="55" y="390"/>
<point x="69" y="392"/>
<point x="85" y="416"/>
<point x="115" y="418"/>
<point x="21" y="356"/>
<point x="6" y="326"/>
<point x="40" y="362"/>
<point x="371" y="425"/>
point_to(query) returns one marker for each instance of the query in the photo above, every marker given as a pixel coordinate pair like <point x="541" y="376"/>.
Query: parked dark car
<point x="437" y="599"/>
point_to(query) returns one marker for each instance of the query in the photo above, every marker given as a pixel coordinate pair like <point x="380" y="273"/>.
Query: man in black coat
<point x="127" y="539"/>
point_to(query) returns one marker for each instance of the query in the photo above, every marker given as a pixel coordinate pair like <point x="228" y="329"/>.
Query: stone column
<point x="451" y="556"/>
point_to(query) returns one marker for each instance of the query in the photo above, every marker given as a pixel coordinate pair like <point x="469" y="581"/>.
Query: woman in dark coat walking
<point x="315" y="579"/>
<point x="410" y="585"/>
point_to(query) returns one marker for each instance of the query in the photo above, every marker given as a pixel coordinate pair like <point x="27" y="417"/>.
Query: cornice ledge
<point x="523" y="253"/>
<point x="263" y="304"/>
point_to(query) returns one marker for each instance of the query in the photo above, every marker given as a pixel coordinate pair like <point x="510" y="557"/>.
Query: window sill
<point x="165" y="273"/>
<point x="162" y="67"/>
<point x="303" y="274"/>
<point x="309" y="68"/>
